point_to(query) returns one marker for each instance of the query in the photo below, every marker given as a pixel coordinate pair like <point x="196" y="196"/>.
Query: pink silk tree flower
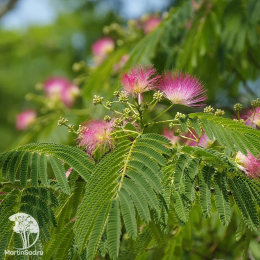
<point x="118" y="66"/>
<point x="168" y="133"/>
<point x="139" y="79"/>
<point x="101" y="48"/>
<point x="58" y="88"/>
<point x="96" y="134"/>
<point x="248" y="164"/>
<point x="150" y="23"/>
<point x="25" y="119"/>
<point x="68" y="172"/>
<point x="251" y="119"/>
<point x="182" y="89"/>
<point x="204" y="141"/>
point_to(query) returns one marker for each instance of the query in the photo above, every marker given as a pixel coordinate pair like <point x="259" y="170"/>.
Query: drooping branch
<point x="6" y="8"/>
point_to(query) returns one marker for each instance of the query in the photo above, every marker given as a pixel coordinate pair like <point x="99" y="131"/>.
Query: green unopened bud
<point x="219" y="112"/>
<point x="177" y="132"/>
<point x="158" y="96"/>
<point x="209" y="109"/>
<point x="118" y="122"/>
<point x="179" y="115"/>
<point x="62" y="121"/>
<point x="119" y="42"/>
<point x="39" y="86"/>
<point x="109" y="104"/>
<point x="80" y="130"/>
<point x="116" y="93"/>
<point x="256" y="103"/>
<point x="171" y="125"/>
<point x="97" y="100"/>
<point x="238" y="107"/>
<point x="123" y="97"/>
<point x="127" y="111"/>
<point x="106" y="30"/>
<point x="107" y="118"/>
<point x="78" y="66"/>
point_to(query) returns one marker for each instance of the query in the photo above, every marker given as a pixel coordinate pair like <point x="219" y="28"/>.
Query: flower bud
<point x="123" y="97"/>
<point x="177" y="132"/>
<point x="179" y="115"/>
<point x="209" y="110"/>
<point x="62" y="121"/>
<point x="107" y="118"/>
<point x="256" y="103"/>
<point x="109" y="104"/>
<point x="116" y="93"/>
<point x="71" y="128"/>
<point x="118" y="122"/>
<point x="97" y="100"/>
<point x="238" y="107"/>
<point x="219" y="112"/>
<point x="158" y="96"/>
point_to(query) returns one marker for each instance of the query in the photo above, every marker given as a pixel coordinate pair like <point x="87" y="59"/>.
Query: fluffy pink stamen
<point x="59" y="88"/>
<point x="168" y="133"/>
<point x="25" y="119"/>
<point x="183" y="89"/>
<point x="96" y="134"/>
<point x="248" y="164"/>
<point x="139" y="79"/>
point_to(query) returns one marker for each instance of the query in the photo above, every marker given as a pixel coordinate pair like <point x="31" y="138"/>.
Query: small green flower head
<point x="78" y="66"/>
<point x="116" y="93"/>
<point x="109" y="104"/>
<point x="107" y="118"/>
<point x="256" y="103"/>
<point x="123" y="97"/>
<point x="62" y="121"/>
<point x="80" y="130"/>
<point x="158" y="96"/>
<point x="118" y="122"/>
<point x="209" y="109"/>
<point x="171" y="125"/>
<point x="127" y="111"/>
<point x="238" y="107"/>
<point x="177" y="132"/>
<point x="179" y="115"/>
<point x="97" y="100"/>
<point x="219" y="112"/>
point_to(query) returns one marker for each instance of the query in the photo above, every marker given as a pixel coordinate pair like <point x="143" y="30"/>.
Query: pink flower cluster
<point x="150" y="23"/>
<point x="252" y="119"/>
<point x="179" y="88"/>
<point x="25" y="119"/>
<point x="204" y="141"/>
<point x="139" y="79"/>
<point x="58" y="88"/>
<point x="248" y="164"/>
<point x="96" y="134"/>
<point x="101" y="48"/>
<point x="182" y="89"/>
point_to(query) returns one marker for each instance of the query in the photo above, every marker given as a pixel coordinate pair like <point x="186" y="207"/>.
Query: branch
<point x="9" y="6"/>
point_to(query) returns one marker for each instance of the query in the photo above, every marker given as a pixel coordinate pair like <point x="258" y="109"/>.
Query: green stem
<point x="238" y="115"/>
<point x="164" y="121"/>
<point x="117" y="112"/>
<point x="163" y="112"/>
<point x="130" y="106"/>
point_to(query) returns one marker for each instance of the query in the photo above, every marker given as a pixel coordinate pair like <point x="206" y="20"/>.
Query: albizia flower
<point x="251" y="119"/>
<point x="59" y="88"/>
<point x="182" y="89"/>
<point x="118" y="66"/>
<point x="101" y="48"/>
<point x="168" y="133"/>
<point x="150" y="23"/>
<point x="96" y="133"/>
<point x="25" y="119"/>
<point x="203" y="142"/>
<point x="248" y="164"/>
<point x="139" y="79"/>
<point x="68" y="172"/>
